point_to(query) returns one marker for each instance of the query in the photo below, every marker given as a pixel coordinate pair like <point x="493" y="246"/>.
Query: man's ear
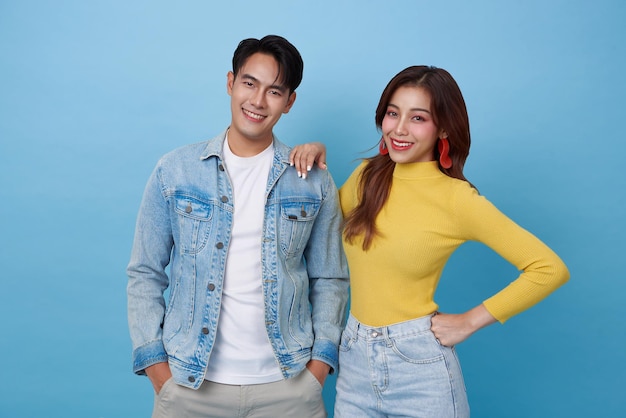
<point x="230" y="79"/>
<point x="290" y="101"/>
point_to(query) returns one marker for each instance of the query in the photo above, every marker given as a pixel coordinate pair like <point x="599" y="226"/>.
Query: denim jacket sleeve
<point x="328" y="277"/>
<point x="147" y="276"/>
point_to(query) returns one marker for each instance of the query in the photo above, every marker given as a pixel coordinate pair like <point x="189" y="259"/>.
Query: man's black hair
<point x="290" y="64"/>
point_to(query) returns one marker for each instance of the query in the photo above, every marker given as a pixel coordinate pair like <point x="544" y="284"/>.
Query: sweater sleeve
<point x="542" y="271"/>
<point x="348" y="193"/>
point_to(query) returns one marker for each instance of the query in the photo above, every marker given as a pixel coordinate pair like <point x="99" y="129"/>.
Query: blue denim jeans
<point x="398" y="371"/>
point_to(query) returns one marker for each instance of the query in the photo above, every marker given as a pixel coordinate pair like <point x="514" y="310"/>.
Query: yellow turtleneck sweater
<point x="428" y="215"/>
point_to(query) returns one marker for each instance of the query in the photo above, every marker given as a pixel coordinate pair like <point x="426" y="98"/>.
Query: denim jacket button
<point x="211" y="287"/>
<point x="191" y="379"/>
<point x="224" y="199"/>
<point x="205" y="330"/>
<point x="221" y="167"/>
<point x="219" y="245"/>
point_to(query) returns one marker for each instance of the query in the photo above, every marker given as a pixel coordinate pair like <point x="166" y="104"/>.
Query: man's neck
<point x="246" y="147"/>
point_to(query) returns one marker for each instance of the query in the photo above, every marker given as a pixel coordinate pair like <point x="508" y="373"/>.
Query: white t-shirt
<point x="242" y="353"/>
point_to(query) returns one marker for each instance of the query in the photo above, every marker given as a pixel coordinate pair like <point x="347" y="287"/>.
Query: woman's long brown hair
<point x="449" y="113"/>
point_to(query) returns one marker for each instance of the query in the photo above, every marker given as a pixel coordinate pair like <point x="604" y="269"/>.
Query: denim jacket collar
<point x="215" y="147"/>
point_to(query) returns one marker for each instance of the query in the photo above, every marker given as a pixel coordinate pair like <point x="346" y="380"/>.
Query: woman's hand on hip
<point x="452" y="329"/>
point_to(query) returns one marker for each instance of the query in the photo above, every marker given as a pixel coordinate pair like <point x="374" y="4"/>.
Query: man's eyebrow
<point x="278" y="87"/>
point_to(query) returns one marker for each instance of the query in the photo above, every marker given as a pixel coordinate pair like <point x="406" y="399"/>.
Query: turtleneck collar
<point x="417" y="170"/>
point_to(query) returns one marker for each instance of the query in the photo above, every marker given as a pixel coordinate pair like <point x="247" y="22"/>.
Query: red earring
<point x="444" y="148"/>
<point x="382" y="148"/>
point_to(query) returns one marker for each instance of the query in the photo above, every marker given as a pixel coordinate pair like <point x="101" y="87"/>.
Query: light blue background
<point x="93" y="92"/>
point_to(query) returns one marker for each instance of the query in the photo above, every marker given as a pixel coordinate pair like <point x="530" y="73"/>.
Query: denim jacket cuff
<point x="326" y="351"/>
<point x="147" y="355"/>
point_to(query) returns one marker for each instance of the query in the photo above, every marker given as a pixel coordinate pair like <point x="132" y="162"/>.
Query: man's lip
<point x="255" y="117"/>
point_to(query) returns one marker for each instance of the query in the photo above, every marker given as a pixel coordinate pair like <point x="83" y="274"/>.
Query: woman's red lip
<point x="395" y="146"/>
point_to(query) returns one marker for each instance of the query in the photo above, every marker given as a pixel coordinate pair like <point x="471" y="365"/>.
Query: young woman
<point x="406" y="211"/>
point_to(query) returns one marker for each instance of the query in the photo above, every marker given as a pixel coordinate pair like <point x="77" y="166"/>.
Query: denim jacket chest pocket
<point x="296" y="221"/>
<point x="193" y="223"/>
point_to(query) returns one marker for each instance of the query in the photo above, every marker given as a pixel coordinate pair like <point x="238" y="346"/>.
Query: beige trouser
<point x="299" y="397"/>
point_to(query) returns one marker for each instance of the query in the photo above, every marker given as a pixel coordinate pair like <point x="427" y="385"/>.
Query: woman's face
<point x="408" y="127"/>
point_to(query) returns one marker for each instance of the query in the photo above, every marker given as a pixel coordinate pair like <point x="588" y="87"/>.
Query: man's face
<point x="257" y="101"/>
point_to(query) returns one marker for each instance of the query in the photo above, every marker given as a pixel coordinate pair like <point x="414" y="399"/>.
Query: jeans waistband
<point x="400" y="329"/>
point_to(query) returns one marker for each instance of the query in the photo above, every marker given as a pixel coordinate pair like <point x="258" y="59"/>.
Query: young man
<point x="257" y="275"/>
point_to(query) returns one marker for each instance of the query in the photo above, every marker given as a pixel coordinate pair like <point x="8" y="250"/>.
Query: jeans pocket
<point x="419" y="348"/>
<point x="347" y="339"/>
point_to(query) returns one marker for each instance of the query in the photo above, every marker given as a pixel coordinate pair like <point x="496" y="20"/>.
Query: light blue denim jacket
<point x="185" y="222"/>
